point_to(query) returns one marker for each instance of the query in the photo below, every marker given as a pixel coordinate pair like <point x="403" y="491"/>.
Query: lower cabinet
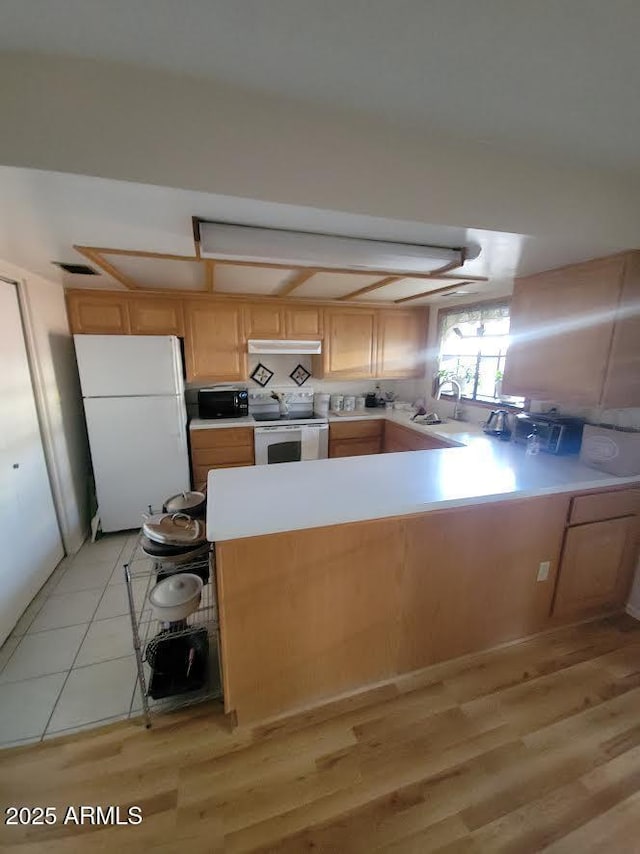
<point x="219" y="448"/>
<point x="355" y="438"/>
<point x="400" y="438"/>
<point x="598" y="561"/>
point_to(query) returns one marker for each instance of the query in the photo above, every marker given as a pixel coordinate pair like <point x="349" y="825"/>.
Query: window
<point x="473" y="348"/>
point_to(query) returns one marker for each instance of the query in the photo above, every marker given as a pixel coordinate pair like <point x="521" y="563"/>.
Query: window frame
<point x="445" y="312"/>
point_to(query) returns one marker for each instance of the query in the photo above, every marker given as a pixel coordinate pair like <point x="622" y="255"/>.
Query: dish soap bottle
<point x="533" y="443"/>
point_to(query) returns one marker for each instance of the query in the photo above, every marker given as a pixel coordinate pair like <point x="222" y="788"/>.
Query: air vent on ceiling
<point x="76" y="269"/>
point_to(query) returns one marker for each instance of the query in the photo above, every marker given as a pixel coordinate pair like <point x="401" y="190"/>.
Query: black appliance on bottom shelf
<point x="179" y="661"/>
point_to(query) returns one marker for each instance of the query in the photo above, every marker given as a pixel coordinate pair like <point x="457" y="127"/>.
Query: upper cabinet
<point x="575" y="334"/>
<point x="156" y="316"/>
<point x="349" y="348"/>
<point x="359" y="342"/>
<point x="402" y="339"/>
<point x="214" y="341"/>
<point x="98" y="313"/>
<point x="265" y="320"/>
<point x="303" y="322"/>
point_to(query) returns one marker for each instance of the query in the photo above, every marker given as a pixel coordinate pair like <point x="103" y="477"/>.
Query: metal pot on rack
<point x="192" y="504"/>
<point x="174" y="529"/>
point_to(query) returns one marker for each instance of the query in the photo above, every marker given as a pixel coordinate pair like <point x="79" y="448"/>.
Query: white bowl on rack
<point x="176" y="597"/>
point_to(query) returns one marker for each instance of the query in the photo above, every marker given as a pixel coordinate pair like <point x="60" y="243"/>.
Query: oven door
<point x="290" y="443"/>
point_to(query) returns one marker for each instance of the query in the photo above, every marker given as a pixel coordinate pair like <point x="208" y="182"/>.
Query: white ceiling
<point x="45" y="213"/>
<point x="547" y="78"/>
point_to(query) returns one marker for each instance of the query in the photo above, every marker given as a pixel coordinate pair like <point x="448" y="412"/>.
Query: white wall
<point x="119" y="121"/>
<point x="58" y="399"/>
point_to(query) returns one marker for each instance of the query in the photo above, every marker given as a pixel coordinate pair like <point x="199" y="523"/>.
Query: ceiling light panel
<point x="333" y="285"/>
<point x="160" y="273"/>
<point x="238" y="279"/>
<point x="238" y="242"/>
<point x="405" y="288"/>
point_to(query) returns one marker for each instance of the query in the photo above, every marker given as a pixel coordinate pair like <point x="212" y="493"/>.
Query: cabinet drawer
<point x="222" y="456"/>
<point x="199" y="473"/>
<point x="355" y="429"/>
<point x="604" y="505"/>
<point x="222" y="437"/>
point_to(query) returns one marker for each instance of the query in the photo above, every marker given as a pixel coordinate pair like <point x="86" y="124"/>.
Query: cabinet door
<point x="156" y="316"/>
<point x="622" y="383"/>
<point x="264" y="321"/>
<point x="399" y="438"/>
<point x="354" y="447"/>
<point x="562" y="325"/>
<point x="303" y="323"/>
<point x="349" y="344"/>
<point x="214" y="341"/>
<point x="401" y="343"/>
<point x="98" y="314"/>
<point x="597" y="566"/>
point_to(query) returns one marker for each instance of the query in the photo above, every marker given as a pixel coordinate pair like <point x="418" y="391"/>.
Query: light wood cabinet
<point x="576" y="334"/>
<point x="393" y="595"/>
<point x="156" y="316"/>
<point x="303" y="322"/>
<point x="219" y="447"/>
<point x="358" y="342"/>
<point x="215" y="343"/>
<point x="402" y="339"/>
<point x="355" y="438"/>
<point x="599" y="554"/>
<point x="349" y="349"/>
<point x="98" y="313"/>
<point x="400" y="438"/>
<point x="264" y="321"/>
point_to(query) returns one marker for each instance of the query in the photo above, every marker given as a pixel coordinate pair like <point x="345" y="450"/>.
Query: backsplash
<point x="283" y="365"/>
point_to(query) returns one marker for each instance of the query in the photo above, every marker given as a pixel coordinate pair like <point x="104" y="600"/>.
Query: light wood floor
<point x="531" y="747"/>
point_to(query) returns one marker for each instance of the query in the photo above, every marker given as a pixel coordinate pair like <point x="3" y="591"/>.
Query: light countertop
<point x="257" y="500"/>
<point x="212" y="423"/>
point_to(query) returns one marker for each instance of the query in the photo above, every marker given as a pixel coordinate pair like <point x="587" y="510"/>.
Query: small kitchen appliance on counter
<point x="223" y="402"/>
<point x="557" y="434"/>
<point x="497" y="424"/>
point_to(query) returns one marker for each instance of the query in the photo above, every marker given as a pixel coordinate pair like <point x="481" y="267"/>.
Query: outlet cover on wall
<point x="543" y="570"/>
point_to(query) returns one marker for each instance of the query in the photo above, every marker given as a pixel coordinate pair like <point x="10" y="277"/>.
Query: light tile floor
<point x="69" y="661"/>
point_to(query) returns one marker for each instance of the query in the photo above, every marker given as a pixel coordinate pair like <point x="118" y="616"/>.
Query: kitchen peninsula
<point x="342" y="573"/>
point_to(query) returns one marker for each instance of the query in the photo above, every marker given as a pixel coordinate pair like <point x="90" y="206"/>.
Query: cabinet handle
<point x="16" y="465"/>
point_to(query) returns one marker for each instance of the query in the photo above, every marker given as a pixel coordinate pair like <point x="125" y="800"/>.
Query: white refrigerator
<point x="133" y="394"/>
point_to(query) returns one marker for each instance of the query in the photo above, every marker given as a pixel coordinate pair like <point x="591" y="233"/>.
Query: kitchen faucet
<point x="457" y="409"/>
<point x="283" y="404"/>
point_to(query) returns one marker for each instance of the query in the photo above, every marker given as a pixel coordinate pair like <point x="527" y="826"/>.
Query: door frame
<point x="37" y="385"/>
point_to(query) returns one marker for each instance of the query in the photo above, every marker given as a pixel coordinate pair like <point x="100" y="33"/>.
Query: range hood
<point x="273" y="347"/>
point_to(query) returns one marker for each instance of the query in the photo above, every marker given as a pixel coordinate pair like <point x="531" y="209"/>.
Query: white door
<point x="29" y="534"/>
<point x="139" y="455"/>
<point x="129" y="365"/>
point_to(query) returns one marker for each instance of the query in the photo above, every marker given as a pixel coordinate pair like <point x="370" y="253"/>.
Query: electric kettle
<point x="497" y="424"/>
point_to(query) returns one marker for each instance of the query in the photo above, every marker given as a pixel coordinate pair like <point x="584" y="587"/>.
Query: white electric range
<point x="287" y="430"/>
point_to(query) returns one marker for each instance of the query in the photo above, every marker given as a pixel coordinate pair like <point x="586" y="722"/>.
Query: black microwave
<point x="228" y="402"/>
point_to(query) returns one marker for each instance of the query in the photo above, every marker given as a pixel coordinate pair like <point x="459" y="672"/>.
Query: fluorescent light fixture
<point x="306" y="249"/>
